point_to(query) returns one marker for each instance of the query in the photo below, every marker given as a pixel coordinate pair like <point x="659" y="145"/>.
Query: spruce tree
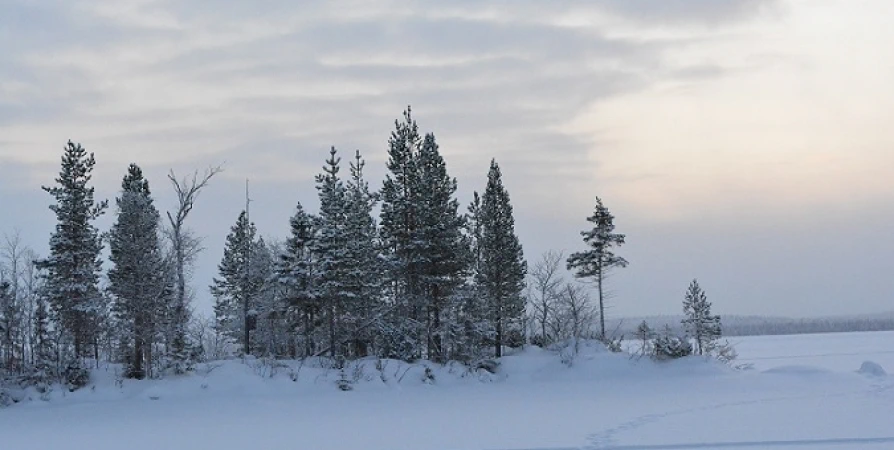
<point x="699" y="323"/>
<point x="595" y="262"/>
<point x="296" y="274"/>
<point x="74" y="265"/>
<point x="139" y="279"/>
<point x="237" y="287"/>
<point x="501" y="275"/>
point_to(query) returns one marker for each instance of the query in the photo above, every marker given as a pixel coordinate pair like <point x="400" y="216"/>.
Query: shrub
<point x="75" y="376"/>
<point x="670" y="347"/>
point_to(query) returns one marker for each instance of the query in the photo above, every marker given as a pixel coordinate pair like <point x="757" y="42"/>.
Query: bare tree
<point x="185" y="246"/>
<point x="545" y="287"/>
<point x="577" y="312"/>
<point x="11" y="309"/>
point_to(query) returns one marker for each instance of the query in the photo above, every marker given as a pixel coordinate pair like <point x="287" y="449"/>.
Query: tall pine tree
<point x="331" y="250"/>
<point x="600" y="258"/>
<point x="74" y="265"/>
<point x="501" y="275"/>
<point x="139" y="278"/>
<point x="444" y="257"/>
<point x="422" y="236"/>
<point x="399" y="234"/>
<point x="363" y="274"/>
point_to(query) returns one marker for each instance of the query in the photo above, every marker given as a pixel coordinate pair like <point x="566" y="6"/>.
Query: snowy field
<point x="803" y="392"/>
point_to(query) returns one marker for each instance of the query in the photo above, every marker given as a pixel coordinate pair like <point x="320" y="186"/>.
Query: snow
<point x="803" y="392"/>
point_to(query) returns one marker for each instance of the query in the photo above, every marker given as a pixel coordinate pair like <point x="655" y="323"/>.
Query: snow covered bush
<point x="670" y="347"/>
<point x="6" y="399"/>
<point x="724" y="352"/>
<point x="40" y="377"/>
<point x="75" y="376"/>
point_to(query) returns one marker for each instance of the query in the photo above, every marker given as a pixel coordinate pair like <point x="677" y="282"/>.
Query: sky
<point x="745" y="143"/>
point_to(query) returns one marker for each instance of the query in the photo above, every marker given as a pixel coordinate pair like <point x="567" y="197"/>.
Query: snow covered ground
<point x="804" y="392"/>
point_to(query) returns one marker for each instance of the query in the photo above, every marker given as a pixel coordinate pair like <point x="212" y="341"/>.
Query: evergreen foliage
<point x="595" y="262"/>
<point x="139" y="279"/>
<point x="239" y="284"/>
<point x="73" y="266"/>
<point x="425" y="248"/>
<point x="700" y="325"/>
<point x="502" y="269"/>
<point x="296" y="276"/>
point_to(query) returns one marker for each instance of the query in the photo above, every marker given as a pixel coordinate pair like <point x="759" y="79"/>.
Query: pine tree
<point x="473" y="230"/>
<point x="296" y="274"/>
<point x="470" y="325"/>
<point x="237" y="287"/>
<point x="41" y="340"/>
<point x="443" y="259"/>
<point x="644" y="334"/>
<point x="503" y="267"/>
<point x="399" y="234"/>
<point x="331" y="250"/>
<point x="600" y="258"/>
<point x="364" y="274"/>
<point x="73" y="266"/>
<point x="139" y="279"/>
<point x="269" y="330"/>
<point x="426" y="251"/>
<point x="699" y="324"/>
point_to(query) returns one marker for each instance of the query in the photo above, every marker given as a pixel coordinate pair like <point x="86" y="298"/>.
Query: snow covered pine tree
<point x="73" y="266"/>
<point x="139" y="279"/>
<point x="502" y="272"/>
<point x="700" y="324"/>
<point x="237" y="288"/>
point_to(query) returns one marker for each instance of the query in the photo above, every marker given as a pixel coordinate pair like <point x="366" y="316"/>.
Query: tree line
<point x="422" y="279"/>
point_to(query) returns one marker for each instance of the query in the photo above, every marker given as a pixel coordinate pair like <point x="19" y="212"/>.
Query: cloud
<point x="687" y="11"/>
<point x="692" y="117"/>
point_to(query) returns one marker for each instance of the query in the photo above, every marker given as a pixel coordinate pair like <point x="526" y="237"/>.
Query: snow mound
<point x="872" y="369"/>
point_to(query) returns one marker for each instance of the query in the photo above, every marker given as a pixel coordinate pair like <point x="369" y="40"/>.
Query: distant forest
<point x="767" y="325"/>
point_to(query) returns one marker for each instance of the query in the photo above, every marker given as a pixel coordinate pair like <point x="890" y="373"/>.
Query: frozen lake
<point x="804" y="392"/>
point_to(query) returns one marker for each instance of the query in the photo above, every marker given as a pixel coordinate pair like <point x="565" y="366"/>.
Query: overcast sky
<point x="748" y="143"/>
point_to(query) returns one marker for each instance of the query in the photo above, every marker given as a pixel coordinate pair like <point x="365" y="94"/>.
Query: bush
<point x="670" y="347"/>
<point x="428" y="377"/>
<point x="39" y="377"/>
<point x="75" y="376"/>
<point x="6" y="399"/>
<point x="614" y="345"/>
<point x="487" y="365"/>
<point x="343" y="383"/>
<point x="724" y="352"/>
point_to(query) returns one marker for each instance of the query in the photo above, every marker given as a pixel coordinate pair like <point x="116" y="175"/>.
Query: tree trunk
<point x="332" y="333"/>
<point x="498" y="339"/>
<point x="601" y="307"/>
